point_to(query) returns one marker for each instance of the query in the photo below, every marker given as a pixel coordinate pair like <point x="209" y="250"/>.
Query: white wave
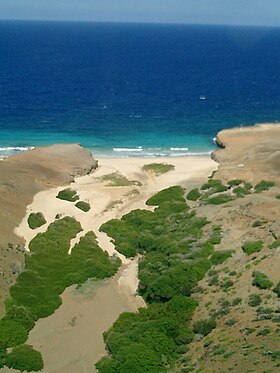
<point x="139" y="149"/>
<point x="16" y="148"/>
<point x="179" y="149"/>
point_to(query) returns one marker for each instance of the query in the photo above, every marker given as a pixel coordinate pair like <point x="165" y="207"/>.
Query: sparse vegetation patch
<point x="118" y="180"/>
<point x="158" y="168"/>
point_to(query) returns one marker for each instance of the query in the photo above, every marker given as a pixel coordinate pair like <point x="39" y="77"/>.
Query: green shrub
<point x="236" y="301"/>
<point x="193" y="195"/>
<point x="25" y="358"/>
<point x="174" y="258"/>
<point x="241" y="191"/>
<point x="221" y="256"/>
<point x="118" y="180"/>
<point x="259" y="223"/>
<point x="158" y="168"/>
<point x="20" y="315"/>
<point x="275" y="244"/>
<point x="261" y="281"/>
<point x="211" y="184"/>
<point x="218" y="200"/>
<point x="263" y="185"/>
<point x="68" y="195"/>
<point x="216" y="235"/>
<point x="277" y="289"/>
<point x="3" y="357"/>
<point x="264" y="332"/>
<point x="175" y="193"/>
<point x="250" y="247"/>
<point x="254" y="300"/>
<point x="84" y="206"/>
<point x="36" y="220"/>
<point x="234" y="182"/>
<point x="204" y="327"/>
<point x="227" y="284"/>
<point x="278" y="196"/>
<point x="12" y="333"/>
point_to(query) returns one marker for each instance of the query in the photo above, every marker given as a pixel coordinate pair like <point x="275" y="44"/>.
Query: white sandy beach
<point x="106" y="203"/>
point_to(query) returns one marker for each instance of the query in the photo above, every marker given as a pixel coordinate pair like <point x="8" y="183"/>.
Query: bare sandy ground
<point x="71" y="338"/>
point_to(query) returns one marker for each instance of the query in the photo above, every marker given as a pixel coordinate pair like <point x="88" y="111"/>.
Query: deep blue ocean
<point x="133" y="89"/>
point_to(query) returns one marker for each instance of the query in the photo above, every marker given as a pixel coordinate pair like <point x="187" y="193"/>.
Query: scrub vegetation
<point x="118" y="180"/>
<point x="36" y="220"/>
<point x="84" y="206"/>
<point x="158" y="168"/>
<point x="68" y="195"/>
<point x="214" y="192"/>
<point x="175" y="256"/>
<point x="48" y="271"/>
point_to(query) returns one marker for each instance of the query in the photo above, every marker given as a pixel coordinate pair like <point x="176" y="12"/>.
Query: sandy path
<point x="75" y="348"/>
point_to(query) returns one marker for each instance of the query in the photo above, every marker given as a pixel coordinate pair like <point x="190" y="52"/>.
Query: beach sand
<point x="74" y="331"/>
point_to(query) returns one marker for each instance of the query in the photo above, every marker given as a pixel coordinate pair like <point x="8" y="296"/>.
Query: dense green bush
<point x="174" y="259"/>
<point x="193" y="195"/>
<point x="261" y="281"/>
<point x="250" y="247"/>
<point x="204" y="327"/>
<point x="211" y="184"/>
<point x="25" y="358"/>
<point x="68" y="195"/>
<point x="218" y="257"/>
<point x="234" y="182"/>
<point x="21" y="315"/>
<point x="161" y="328"/>
<point x="277" y="289"/>
<point x="12" y="333"/>
<point x="216" y="235"/>
<point x="174" y="193"/>
<point x="36" y="220"/>
<point x="218" y="200"/>
<point x="254" y="300"/>
<point x="84" y="206"/>
<point x="275" y="244"/>
<point x="241" y="191"/>
<point x="3" y="357"/>
<point x="263" y="185"/>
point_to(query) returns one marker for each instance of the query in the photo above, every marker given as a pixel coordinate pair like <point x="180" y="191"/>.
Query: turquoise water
<point x="131" y="89"/>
